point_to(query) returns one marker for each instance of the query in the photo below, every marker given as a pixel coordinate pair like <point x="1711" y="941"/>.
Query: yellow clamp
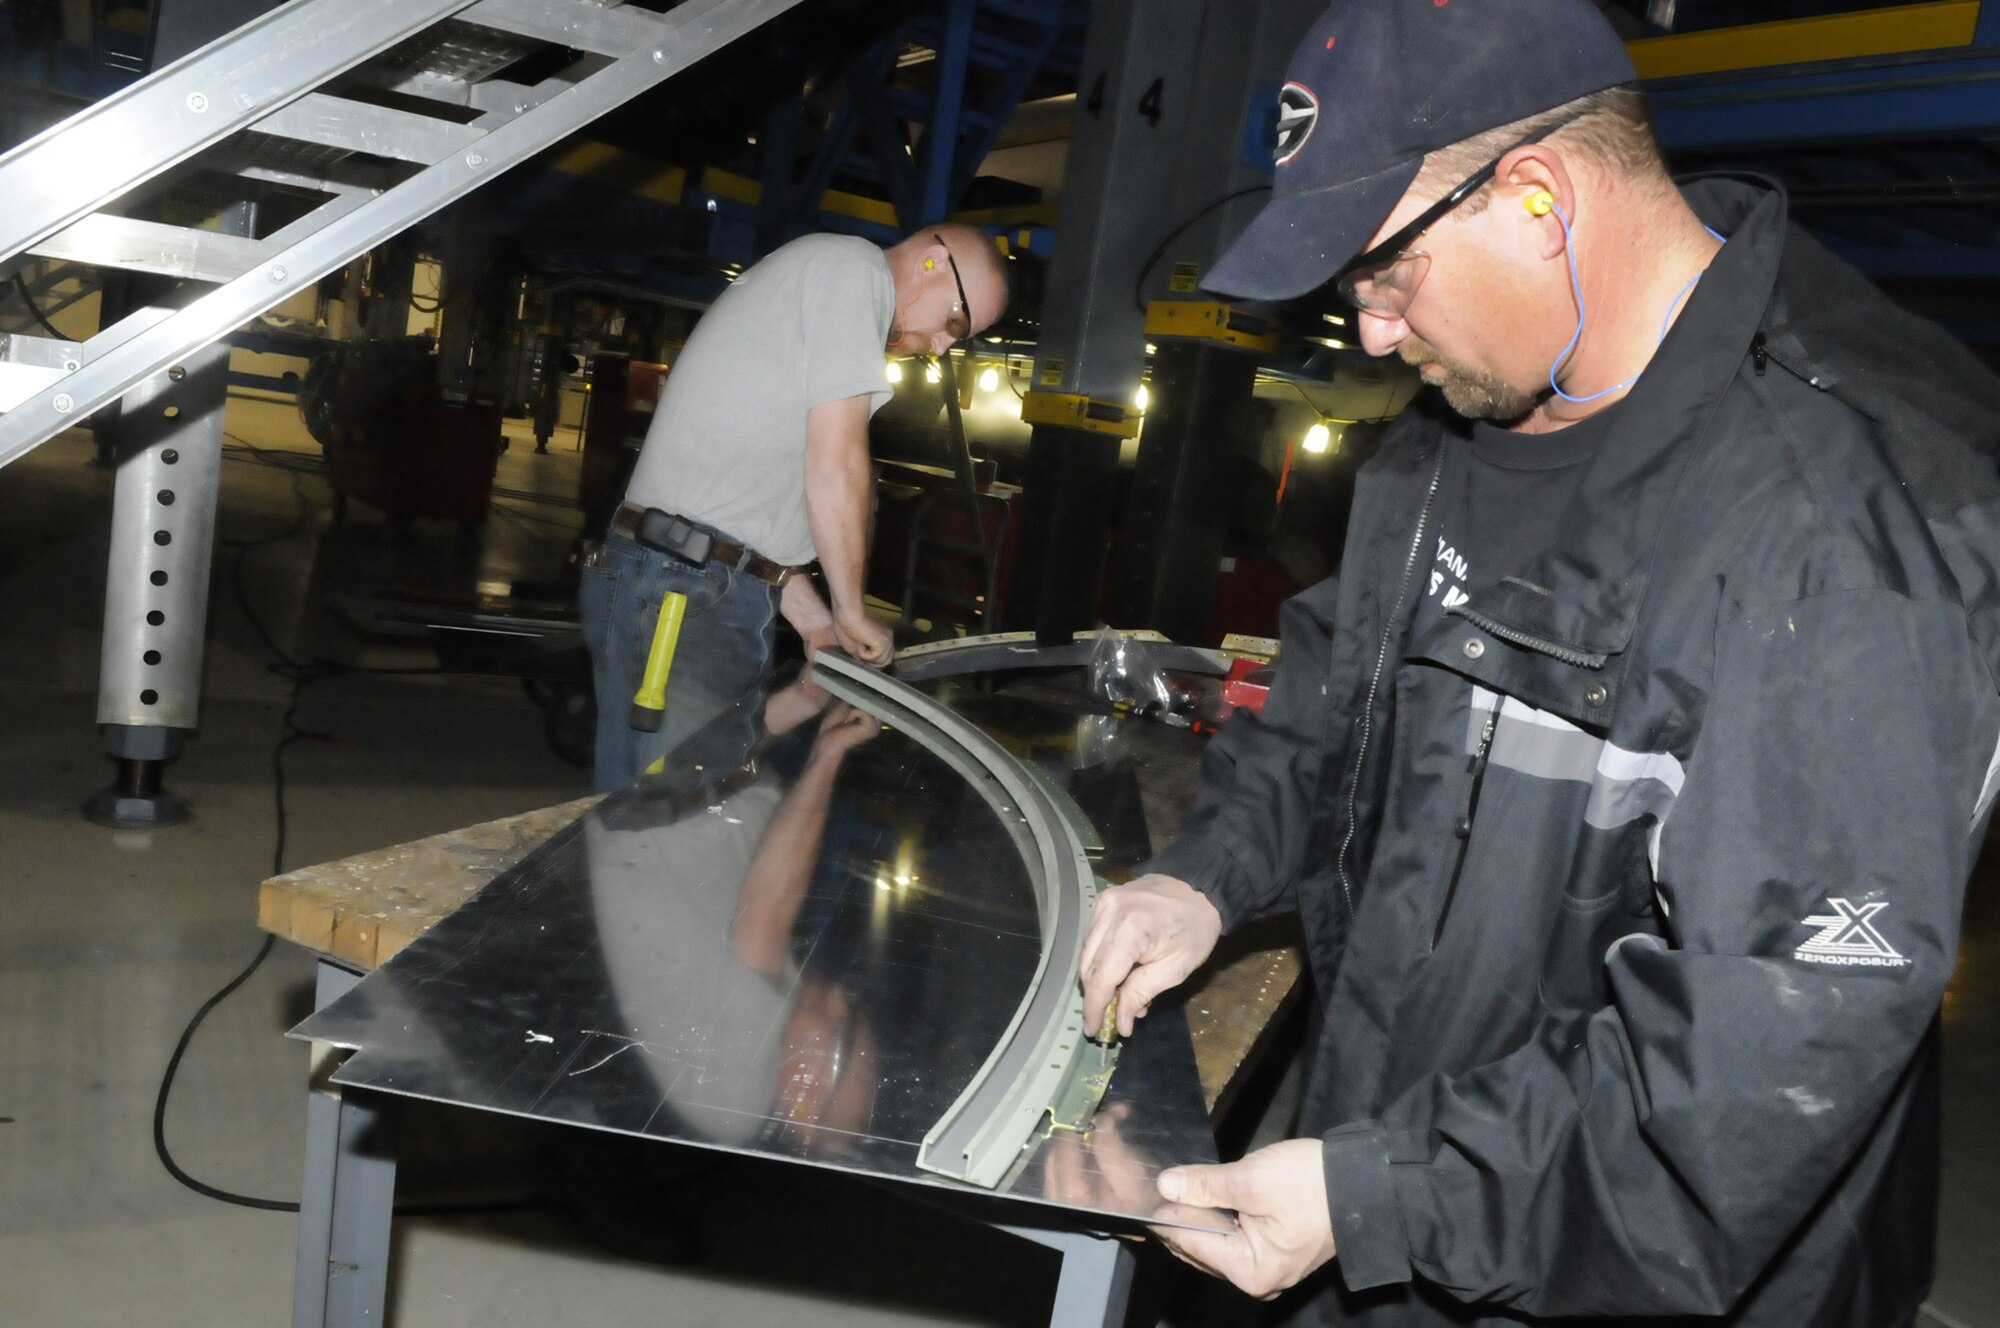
<point x="1079" y="412"/>
<point x="1199" y="320"/>
<point x="649" y="705"/>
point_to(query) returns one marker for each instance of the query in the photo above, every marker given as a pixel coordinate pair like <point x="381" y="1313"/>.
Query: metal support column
<point x="1096" y="1278"/>
<point x="1131" y="122"/>
<point x="169" y="444"/>
<point x="347" y="1204"/>
<point x="1177" y="515"/>
<point x="1170" y="159"/>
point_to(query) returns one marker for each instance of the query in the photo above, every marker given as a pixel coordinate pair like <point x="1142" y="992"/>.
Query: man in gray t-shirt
<point x="760" y="446"/>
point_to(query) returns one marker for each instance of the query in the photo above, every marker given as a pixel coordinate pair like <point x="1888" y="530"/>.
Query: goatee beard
<point x="1473" y="393"/>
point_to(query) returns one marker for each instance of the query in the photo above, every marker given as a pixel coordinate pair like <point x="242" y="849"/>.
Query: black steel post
<point x="1059" y="570"/>
<point x="1183" y="490"/>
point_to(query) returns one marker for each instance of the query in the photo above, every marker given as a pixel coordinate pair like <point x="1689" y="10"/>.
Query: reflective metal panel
<point x="802" y="943"/>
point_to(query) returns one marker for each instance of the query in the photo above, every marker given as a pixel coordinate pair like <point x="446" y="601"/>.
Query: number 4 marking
<point x="1149" y="105"/>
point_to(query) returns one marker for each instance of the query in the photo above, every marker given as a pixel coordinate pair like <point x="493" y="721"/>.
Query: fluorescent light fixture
<point x="1143" y="397"/>
<point x="1318" y="438"/>
<point x="933" y="374"/>
<point x="989" y="381"/>
<point x="894" y="373"/>
<point x="1151" y="349"/>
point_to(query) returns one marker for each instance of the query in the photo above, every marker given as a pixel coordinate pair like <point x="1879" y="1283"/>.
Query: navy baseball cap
<point x="1375" y="86"/>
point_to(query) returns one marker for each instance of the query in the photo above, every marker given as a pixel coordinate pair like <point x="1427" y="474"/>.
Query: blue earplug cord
<point x="1576" y="286"/>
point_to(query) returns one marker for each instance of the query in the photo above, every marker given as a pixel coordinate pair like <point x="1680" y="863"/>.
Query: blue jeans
<point x="724" y="651"/>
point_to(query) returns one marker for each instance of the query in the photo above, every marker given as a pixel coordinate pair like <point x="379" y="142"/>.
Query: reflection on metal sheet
<point x="803" y="942"/>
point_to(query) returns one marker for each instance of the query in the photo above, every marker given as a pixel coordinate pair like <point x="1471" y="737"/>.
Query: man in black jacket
<point x="1627" y="780"/>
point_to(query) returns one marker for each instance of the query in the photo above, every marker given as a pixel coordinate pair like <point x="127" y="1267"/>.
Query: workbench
<point x="354" y="914"/>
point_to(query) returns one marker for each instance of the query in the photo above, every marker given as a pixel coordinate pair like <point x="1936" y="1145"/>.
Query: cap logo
<point x="1298" y="112"/>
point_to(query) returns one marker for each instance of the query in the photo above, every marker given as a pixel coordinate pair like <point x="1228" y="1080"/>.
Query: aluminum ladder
<point x="321" y="130"/>
<point x="274" y="104"/>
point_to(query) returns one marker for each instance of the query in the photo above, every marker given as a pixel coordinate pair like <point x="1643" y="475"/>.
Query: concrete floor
<point x="108" y="942"/>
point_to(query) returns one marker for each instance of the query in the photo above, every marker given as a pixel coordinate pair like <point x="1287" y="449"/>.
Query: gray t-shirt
<point x="727" y="443"/>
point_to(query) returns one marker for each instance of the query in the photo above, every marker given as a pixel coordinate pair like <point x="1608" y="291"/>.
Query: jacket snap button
<point x="1475" y="648"/>
<point x="1595" y="696"/>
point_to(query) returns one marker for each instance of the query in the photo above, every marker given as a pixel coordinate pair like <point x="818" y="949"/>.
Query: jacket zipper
<point x="1463" y="828"/>
<point x="1375" y="682"/>
<point x="1575" y="658"/>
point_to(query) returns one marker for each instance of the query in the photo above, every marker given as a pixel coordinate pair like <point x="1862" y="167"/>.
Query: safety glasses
<point x="962" y="328"/>
<point x="1385" y="279"/>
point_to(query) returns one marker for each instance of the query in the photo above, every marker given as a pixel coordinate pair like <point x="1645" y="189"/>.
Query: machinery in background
<point x="393" y="442"/>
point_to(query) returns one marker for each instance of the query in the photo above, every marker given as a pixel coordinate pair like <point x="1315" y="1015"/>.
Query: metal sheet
<point x="801" y="944"/>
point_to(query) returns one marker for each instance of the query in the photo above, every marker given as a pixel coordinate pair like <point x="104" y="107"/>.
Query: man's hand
<point x="1279" y="1197"/>
<point x="866" y="640"/>
<point x="843" y="729"/>
<point x="807" y="614"/>
<point x="1144" y="938"/>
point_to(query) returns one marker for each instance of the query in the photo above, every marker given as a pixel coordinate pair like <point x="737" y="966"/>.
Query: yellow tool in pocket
<point x="649" y="705"/>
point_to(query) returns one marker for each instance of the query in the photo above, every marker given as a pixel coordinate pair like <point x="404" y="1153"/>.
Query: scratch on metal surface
<point x="630" y="1042"/>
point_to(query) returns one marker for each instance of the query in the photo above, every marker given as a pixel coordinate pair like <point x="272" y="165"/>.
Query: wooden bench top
<point x="361" y="910"/>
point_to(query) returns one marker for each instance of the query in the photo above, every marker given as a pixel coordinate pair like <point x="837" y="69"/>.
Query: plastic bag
<point x="1126" y="672"/>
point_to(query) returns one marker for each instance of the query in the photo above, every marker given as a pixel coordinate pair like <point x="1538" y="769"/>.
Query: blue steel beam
<point x="778" y="149"/>
<point x="1007" y="92"/>
<point x="1926" y="98"/>
<point x="881" y="131"/>
<point x="941" y="145"/>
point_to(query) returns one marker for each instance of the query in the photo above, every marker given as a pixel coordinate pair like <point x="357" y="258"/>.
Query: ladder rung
<point x="571" y="23"/>
<point x="487" y="96"/>
<point x="149" y="246"/>
<point x="377" y="131"/>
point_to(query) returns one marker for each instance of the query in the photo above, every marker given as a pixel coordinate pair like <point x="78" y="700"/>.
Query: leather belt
<point x="681" y="538"/>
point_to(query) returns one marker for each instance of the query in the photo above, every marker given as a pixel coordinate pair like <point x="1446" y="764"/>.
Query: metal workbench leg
<point x="1096" y="1278"/>
<point x="348" y="1199"/>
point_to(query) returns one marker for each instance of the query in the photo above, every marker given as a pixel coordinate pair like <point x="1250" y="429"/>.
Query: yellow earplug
<point x="1540" y="203"/>
<point x="930" y="265"/>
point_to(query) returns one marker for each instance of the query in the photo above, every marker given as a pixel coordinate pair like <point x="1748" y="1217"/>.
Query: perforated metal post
<point x="156" y="587"/>
<point x="156" y="590"/>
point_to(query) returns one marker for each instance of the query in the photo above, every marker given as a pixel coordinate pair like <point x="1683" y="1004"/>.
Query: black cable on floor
<point x="292" y="733"/>
<point x="301" y="675"/>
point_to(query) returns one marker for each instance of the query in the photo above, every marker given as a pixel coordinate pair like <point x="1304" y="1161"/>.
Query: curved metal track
<point x="981" y="1136"/>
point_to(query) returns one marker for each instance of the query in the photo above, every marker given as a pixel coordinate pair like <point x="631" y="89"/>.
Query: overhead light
<point x="1143" y="397"/>
<point x="894" y="372"/>
<point x="1318" y="438"/>
<point x="989" y="381"/>
<point x="1151" y="349"/>
<point x="933" y="374"/>
<point x="1336" y="320"/>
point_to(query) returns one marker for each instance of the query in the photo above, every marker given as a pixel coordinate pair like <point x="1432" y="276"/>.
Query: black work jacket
<point x="1631" y="887"/>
